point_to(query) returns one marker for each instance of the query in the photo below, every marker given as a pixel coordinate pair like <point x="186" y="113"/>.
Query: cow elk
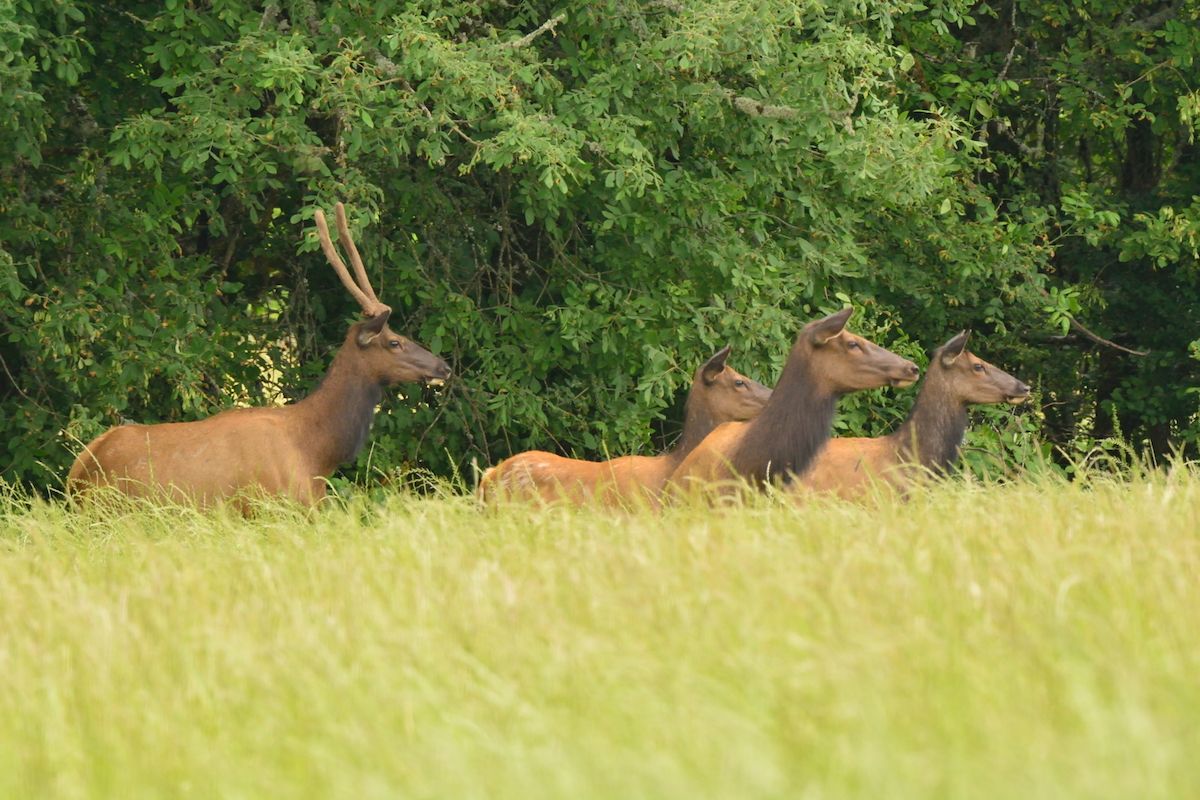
<point x="719" y="394"/>
<point x="826" y="362"/>
<point x="927" y="442"/>
<point x="286" y="450"/>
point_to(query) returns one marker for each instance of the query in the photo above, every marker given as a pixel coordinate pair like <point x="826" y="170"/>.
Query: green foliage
<point x="573" y="204"/>
<point x="1089" y="116"/>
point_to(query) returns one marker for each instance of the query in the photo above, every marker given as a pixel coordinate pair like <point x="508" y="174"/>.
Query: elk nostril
<point x="914" y="370"/>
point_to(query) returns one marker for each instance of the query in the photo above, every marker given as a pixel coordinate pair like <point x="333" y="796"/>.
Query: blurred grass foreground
<point x="1040" y="639"/>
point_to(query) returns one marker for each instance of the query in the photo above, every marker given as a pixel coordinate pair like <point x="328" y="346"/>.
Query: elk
<point x="286" y="450"/>
<point x="719" y="394"/>
<point x="927" y="442"/>
<point x="826" y="362"/>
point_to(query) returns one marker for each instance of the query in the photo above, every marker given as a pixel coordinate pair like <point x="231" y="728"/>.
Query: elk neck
<point x="337" y="415"/>
<point x="792" y="427"/>
<point x="934" y="429"/>
<point x="698" y="422"/>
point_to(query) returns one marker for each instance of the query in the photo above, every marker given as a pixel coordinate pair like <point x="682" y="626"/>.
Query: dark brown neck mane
<point x="933" y="431"/>
<point x="795" y="423"/>
<point x="339" y="413"/>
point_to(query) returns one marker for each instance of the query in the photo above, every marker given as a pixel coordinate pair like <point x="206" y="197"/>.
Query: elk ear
<point x="954" y="348"/>
<point x="825" y="329"/>
<point x="368" y="331"/>
<point x="715" y="365"/>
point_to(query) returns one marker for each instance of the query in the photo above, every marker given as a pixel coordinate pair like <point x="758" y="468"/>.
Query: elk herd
<point x="737" y="433"/>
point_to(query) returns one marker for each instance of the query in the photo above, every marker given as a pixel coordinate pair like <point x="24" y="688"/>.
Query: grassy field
<point x="1032" y="640"/>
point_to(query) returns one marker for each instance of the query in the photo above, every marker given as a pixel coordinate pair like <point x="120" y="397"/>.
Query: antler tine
<point x="347" y="242"/>
<point x="339" y="266"/>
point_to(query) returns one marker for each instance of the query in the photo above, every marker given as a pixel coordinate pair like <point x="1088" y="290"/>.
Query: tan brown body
<point x="550" y="478"/>
<point x="288" y="450"/>
<point x="825" y="362"/>
<point x="148" y="459"/>
<point x="927" y="443"/>
<point x="719" y="393"/>
<point x="710" y="464"/>
<point x="850" y="466"/>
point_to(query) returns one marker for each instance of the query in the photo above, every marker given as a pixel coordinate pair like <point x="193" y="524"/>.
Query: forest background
<point x="575" y="203"/>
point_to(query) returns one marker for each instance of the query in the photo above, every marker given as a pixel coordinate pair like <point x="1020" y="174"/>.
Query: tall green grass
<point x="1032" y="640"/>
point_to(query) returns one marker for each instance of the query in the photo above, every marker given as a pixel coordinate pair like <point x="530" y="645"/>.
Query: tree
<point x="1089" y="114"/>
<point x="573" y="205"/>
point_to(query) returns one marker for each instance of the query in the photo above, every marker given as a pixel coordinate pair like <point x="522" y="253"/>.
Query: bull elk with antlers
<point x="286" y="450"/>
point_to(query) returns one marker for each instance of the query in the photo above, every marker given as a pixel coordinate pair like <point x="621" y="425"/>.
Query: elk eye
<point x="978" y="367"/>
<point x="739" y="383"/>
<point x="394" y="343"/>
<point x="854" y="346"/>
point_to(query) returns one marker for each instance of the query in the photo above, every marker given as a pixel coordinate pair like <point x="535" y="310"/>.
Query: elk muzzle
<point x="412" y="362"/>
<point x="440" y="375"/>
<point x="1019" y="394"/>
<point x="908" y="374"/>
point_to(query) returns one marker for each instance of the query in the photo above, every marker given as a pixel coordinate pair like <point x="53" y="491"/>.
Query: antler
<point x="362" y="290"/>
<point x="360" y="271"/>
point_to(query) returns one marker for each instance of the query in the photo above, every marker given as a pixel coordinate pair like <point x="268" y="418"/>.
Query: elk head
<point x="728" y="394"/>
<point x="846" y="362"/>
<point x="969" y="379"/>
<point x="383" y="356"/>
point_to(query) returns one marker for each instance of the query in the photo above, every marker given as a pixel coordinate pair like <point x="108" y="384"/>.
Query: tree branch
<point x="757" y="108"/>
<point x="1077" y="326"/>
<point x="269" y="16"/>
<point x="135" y="18"/>
<point x="1083" y="331"/>
<point x="1158" y="18"/>
<point x="1003" y="127"/>
<point x="12" y="381"/>
<point x="548" y="25"/>
<point x="1012" y="30"/>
